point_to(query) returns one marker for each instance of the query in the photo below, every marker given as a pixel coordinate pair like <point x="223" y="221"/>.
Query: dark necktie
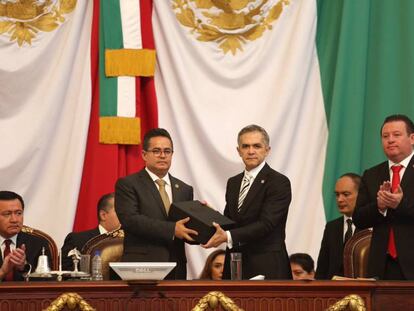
<point x="163" y="193"/>
<point x="392" y="250"/>
<point x="348" y="233"/>
<point x="243" y="190"/>
<point x="7" y="251"/>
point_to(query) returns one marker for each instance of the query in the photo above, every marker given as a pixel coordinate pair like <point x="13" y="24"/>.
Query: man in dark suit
<point x="258" y="201"/>
<point x="108" y="221"/>
<point x="142" y="202"/>
<point x="338" y="231"/>
<point x="386" y="203"/>
<point x="18" y="248"/>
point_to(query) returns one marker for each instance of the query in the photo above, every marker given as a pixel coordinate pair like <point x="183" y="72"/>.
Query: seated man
<point x="303" y="267"/>
<point x="338" y="231"/>
<point x="108" y="221"/>
<point x="18" y="248"/>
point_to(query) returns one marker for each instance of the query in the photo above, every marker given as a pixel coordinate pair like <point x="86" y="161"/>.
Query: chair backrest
<point x="356" y="253"/>
<point x="52" y="245"/>
<point x="111" y="246"/>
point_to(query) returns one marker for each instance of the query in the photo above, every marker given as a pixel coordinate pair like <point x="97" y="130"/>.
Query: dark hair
<point x="303" y="260"/>
<point x="157" y="132"/>
<point x="10" y="196"/>
<point x="355" y="178"/>
<point x="103" y="203"/>
<point x="254" y="128"/>
<point x="206" y="273"/>
<point x="409" y="125"/>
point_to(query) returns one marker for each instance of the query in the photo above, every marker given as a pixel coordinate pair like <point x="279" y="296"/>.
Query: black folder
<point x="201" y="219"/>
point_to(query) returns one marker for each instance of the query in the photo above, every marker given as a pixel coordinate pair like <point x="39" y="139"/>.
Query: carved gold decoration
<point x="117" y="233"/>
<point x="229" y="23"/>
<point x="70" y="300"/>
<point x="351" y="302"/>
<point x="27" y="229"/>
<point x="23" y="19"/>
<point x="212" y="301"/>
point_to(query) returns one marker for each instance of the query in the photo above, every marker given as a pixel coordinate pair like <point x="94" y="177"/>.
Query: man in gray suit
<point x="142" y="202"/>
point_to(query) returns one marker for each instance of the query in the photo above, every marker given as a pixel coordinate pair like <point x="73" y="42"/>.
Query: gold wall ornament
<point x="350" y="302"/>
<point x="22" y="20"/>
<point x="72" y="301"/>
<point x="229" y="23"/>
<point x="212" y="301"/>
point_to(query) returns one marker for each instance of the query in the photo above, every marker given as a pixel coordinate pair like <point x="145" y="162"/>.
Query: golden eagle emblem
<point x="229" y="23"/>
<point x="21" y="20"/>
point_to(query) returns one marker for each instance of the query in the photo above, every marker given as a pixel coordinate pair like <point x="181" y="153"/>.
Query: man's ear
<point x="102" y="215"/>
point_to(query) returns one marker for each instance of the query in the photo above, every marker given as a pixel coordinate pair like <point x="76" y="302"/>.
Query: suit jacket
<point x="78" y="240"/>
<point x="34" y="247"/>
<point x="149" y="236"/>
<point x="259" y="233"/>
<point x="331" y="254"/>
<point x="401" y="219"/>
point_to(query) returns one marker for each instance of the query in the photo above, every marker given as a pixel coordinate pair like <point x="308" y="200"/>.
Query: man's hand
<point x="392" y="200"/>
<point x="6" y="267"/>
<point x="381" y="195"/>
<point x="218" y="238"/>
<point x="182" y="232"/>
<point x="18" y="257"/>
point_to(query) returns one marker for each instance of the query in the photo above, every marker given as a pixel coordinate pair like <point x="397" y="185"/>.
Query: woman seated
<point x="213" y="269"/>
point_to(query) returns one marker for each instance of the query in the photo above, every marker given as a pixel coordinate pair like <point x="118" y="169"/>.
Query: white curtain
<point x="45" y="100"/>
<point x="206" y="96"/>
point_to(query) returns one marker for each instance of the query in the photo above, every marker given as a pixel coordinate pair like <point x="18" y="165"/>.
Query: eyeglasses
<point x="157" y="152"/>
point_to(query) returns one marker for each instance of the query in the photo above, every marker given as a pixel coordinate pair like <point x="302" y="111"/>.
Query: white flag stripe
<point x="131" y="33"/>
<point x="206" y="97"/>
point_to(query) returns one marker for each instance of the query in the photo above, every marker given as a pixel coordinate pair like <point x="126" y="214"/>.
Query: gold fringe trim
<point x="120" y="130"/>
<point x="129" y="62"/>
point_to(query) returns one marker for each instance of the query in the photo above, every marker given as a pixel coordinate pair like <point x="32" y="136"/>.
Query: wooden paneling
<point x="183" y="295"/>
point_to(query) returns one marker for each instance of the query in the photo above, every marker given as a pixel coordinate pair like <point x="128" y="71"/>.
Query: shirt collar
<point x="154" y="177"/>
<point x="404" y="162"/>
<point x="256" y="170"/>
<point x="13" y="239"/>
<point x="102" y="230"/>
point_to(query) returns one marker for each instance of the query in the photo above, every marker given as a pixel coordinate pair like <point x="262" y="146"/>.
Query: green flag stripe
<point x="367" y="70"/>
<point x="110" y="38"/>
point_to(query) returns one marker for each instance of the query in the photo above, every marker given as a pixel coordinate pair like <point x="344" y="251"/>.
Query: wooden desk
<point x="183" y="295"/>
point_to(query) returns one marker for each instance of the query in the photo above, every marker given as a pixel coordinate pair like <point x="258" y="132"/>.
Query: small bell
<point x="43" y="263"/>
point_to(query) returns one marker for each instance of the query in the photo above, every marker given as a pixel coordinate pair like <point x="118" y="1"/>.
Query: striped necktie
<point x="244" y="189"/>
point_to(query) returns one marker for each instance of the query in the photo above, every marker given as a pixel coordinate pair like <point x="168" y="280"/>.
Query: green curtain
<point x="366" y="55"/>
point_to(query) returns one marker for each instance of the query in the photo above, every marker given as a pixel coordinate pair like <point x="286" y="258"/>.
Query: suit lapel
<point x="408" y="177"/>
<point x="149" y="183"/>
<point x="176" y="190"/>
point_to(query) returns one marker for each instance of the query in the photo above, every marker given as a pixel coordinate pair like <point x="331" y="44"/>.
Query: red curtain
<point x="104" y="164"/>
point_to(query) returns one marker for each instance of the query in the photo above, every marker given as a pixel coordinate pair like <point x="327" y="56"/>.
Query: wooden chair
<point x="111" y="246"/>
<point x="52" y="245"/>
<point x="356" y="253"/>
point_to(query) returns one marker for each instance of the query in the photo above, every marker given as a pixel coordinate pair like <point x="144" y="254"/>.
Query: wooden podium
<point x="184" y="295"/>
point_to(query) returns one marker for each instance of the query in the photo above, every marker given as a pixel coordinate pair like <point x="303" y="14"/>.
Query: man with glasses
<point x="142" y="202"/>
<point x="17" y="248"/>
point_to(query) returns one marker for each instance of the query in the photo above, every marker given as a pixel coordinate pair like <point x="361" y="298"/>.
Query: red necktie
<point x="7" y="251"/>
<point x="392" y="250"/>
